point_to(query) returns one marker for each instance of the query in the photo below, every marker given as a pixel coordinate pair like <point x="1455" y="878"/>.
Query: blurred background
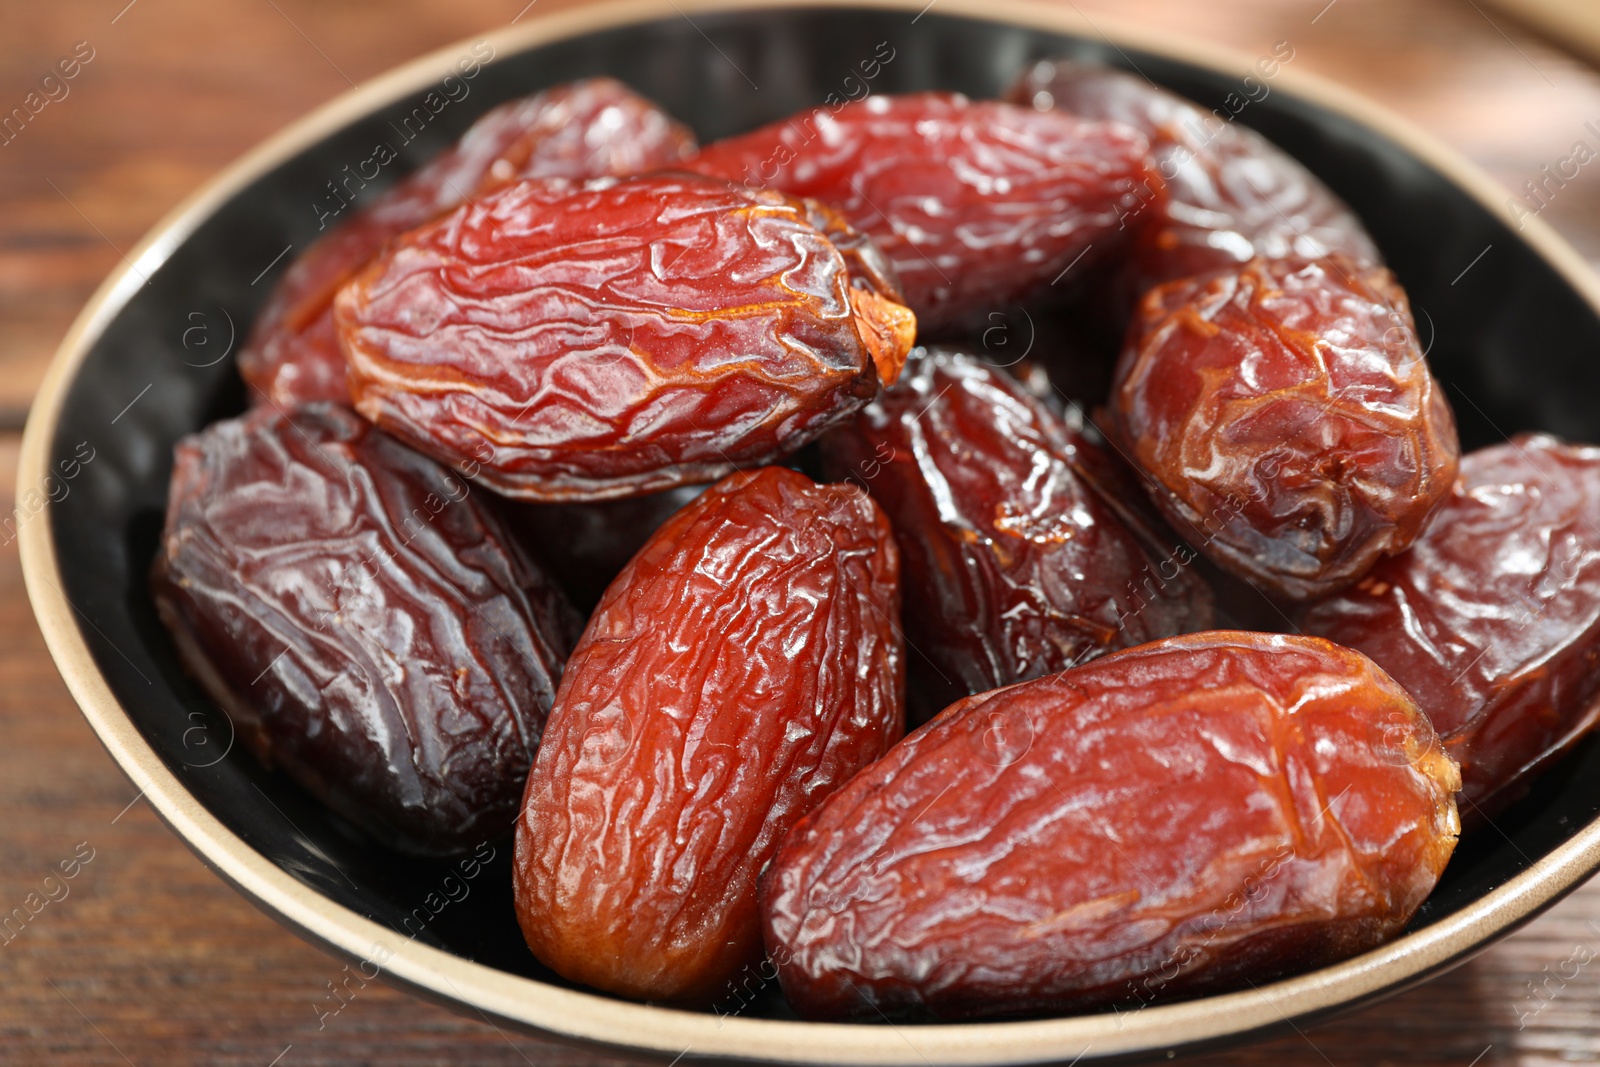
<point x="149" y="958"/>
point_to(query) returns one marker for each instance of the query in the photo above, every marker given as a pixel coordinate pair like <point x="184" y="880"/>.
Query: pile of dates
<point x="669" y="507"/>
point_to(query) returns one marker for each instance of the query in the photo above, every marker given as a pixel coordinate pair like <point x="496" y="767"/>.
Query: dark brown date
<point x="1232" y="195"/>
<point x="364" y="620"/>
<point x="584" y="129"/>
<point x="590" y="128"/>
<point x="1286" y="414"/>
<point x="978" y="203"/>
<point x="587" y="342"/>
<point x="1492" y="619"/>
<point x="1186" y="816"/>
<point x="1015" y="566"/>
<point x="742" y="667"/>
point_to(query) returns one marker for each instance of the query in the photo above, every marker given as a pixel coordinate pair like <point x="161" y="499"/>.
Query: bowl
<point x="1510" y="316"/>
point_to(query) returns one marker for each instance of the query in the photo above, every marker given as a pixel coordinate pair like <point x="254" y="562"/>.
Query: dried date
<point x="584" y="129"/>
<point x="1492" y="619"/>
<point x="1285" y="413"/>
<point x="1232" y="195"/>
<point x="740" y="668"/>
<point x="594" y="341"/>
<point x="978" y="203"/>
<point x="364" y="620"/>
<point x="1182" y="817"/>
<point x="1015" y="565"/>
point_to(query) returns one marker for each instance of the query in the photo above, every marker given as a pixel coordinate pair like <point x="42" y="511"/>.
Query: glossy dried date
<point x="742" y="667"/>
<point x="584" y="129"/>
<point x="364" y="620"/>
<point x="1286" y="412"/>
<point x="586" y="342"/>
<point x="1232" y="195"/>
<point x="978" y="203"/>
<point x="1185" y="816"/>
<point x="1492" y="619"/>
<point x="1015" y="566"/>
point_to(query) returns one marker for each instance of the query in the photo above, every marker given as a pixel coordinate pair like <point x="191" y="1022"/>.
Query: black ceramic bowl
<point x="1509" y="317"/>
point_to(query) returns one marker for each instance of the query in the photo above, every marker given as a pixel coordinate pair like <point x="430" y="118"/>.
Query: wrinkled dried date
<point x="586" y="342"/>
<point x="1189" y="815"/>
<point x="1015" y="566"/>
<point x="742" y="667"/>
<point x="365" y="622"/>
<point x="590" y="128"/>
<point x="584" y="129"/>
<point x="1288" y="417"/>
<point x="978" y="203"/>
<point x="1492" y="619"/>
<point x="1232" y="195"/>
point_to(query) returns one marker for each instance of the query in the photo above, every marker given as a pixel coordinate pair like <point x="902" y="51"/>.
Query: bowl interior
<point x="1507" y="334"/>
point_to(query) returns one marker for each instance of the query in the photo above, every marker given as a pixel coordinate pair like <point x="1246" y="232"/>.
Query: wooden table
<point x="151" y="959"/>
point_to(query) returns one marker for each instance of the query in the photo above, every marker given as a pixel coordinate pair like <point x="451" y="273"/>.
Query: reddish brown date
<point x="1015" y="566"/>
<point x="1186" y="816"/>
<point x="1492" y="619"/>
<point x="978" y="203"/>
<point x="585" y="129"/>
<point x="742" y="667"/>
<point x="364" y="620"/>
<point x="1232" y="195"/>
<point x="586" y="342"/>
<point x="1288" y="418"/>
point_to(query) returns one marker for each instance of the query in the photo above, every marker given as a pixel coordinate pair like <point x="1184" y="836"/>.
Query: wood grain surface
<point x="150" y="959"/>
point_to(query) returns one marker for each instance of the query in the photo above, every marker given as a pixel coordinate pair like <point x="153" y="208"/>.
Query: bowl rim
<point x="598" y="1020"/>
